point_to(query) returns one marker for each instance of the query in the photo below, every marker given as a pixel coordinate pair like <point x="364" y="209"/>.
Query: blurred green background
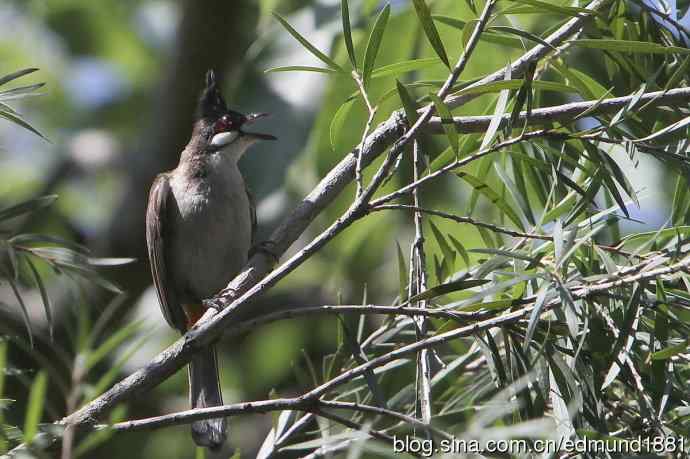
<point x="122" y="80"/>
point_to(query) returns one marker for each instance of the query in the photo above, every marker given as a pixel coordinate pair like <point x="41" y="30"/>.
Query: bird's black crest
<point x="211" y="103"/>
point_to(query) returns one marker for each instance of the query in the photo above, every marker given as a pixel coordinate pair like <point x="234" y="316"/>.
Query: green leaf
<point x="497" y="117"/>
<point x="486" y="36"/>
<point x="374" y="42"/>
<point x="447" y="123"/>
<point x="44" y="295"/>
<point x="31" y="239"/>
<point x="668" y="352"/>
<point x="468" y="30"/>
<point x="22" y="306"/>
<point x="300" y="68"/>
<point x="629" y="46"/>
<point x="347" y="32"/>
<point x="667" y="130"/>
<point x="308" y="46"/>
<point x="448" y="287"/>
<point x="16" y="119"/>
<point x="408" y="102"/>
<point x="31" y="205"/>
<point x="111" y="343"/>
<point x="13" y="76"/>
<point x="459" y="248"/>
<point x="430" y="31"/>
<point x="403" y="67"/>
<point x="20" y="92"/>
<point x="523" y="34"/>
<point x="680" y="201"/>
<point x="492" y="196"/>
<point x="336" y="128"/>
<point x="402" y="273"/>
<point x="546" y="6"/>
<point x="448" y="253"/>
<point x="497" y="86"/>
<point x="34" y="408"/>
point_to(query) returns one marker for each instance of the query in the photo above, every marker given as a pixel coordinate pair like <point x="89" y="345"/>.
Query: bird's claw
<point x="215" y="303"/>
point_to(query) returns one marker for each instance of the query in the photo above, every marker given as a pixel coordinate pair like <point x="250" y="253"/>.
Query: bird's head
<point x="221" y="129"/>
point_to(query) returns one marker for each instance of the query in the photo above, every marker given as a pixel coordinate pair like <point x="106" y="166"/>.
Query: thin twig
<point x="417" y="285"/>
<point x="563" y="113"/>
<point x="371" y="109"/>
<point x="491" y="227"/>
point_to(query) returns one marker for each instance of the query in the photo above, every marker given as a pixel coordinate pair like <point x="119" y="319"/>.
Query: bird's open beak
<point x="250" y="119"/>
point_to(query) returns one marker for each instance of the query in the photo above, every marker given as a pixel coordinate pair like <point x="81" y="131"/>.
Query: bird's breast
<point x="212" y="231"/>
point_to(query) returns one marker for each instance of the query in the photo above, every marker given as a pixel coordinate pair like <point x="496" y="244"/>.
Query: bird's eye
<point x="223" y="124"/>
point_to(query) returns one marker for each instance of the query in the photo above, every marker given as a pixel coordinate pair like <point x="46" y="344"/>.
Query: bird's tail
<point x="204" y="391"/>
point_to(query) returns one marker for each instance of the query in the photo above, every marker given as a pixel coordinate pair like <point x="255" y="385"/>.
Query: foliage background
<point x="120" y="80"/>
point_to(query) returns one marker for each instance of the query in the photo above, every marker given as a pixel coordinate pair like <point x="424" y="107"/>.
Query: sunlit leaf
<point x="424" y="16"/>
<point x="307" y="45"/>
<point x="338" y="121"/>
<point x="34" y="408"/>
<point x="374" y="42"/>
<point x="347" y="32"/>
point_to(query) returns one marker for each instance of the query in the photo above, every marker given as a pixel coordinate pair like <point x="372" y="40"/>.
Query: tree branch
<point x="564" y="113"/>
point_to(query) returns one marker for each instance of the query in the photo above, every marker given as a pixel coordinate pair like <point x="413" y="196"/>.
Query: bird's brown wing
<point x="157" y="228"/>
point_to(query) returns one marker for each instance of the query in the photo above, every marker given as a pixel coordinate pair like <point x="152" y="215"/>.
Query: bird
<point x="200" y="226"/>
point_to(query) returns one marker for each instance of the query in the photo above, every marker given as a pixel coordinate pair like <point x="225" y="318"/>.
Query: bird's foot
<point x="266" y="247"/>
<point x="216" y="303"/>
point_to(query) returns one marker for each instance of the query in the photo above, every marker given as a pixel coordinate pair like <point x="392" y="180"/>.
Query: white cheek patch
<point x="224" y="138"/>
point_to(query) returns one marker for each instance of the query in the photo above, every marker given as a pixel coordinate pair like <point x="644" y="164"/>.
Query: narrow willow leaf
<point x="402" y="274"/>
<point x="31" y="205"/>
<point x="403" y="67"/>
<point x="109" y="261"/>
<point x="424" y="16"/>
<point x="44" y="295"/>
<point x="336" y="128"/>
<point x="626" y="338"/>
<point x="28" y="239"/>
<point x="374" y="42"/>
<point x="34" y="408"/>
<point x="667" y="130"/>
<point x="448" y="287"/>
<point x="522" y="33"/>
<point x="680" y="201"/>
<point x="447" y="123"/>
<point x="347" y="33"/>
<point x="629" y="46"/>
<point x="22" y="91"/>
<point x="361" y="358"/>
<point x="24" y="310"/>
<point x="300" y="68"/>
<point x="468" y="31"/>
<point x="111" y="343"/>
<point x="485" y="36"/>
<point x="497" y="86"/>
<point x="408" y="102"/>
<point x="482" y="188"/>
<point x="523" y="209"/>
<point x="495" y="122"/>
<point x="16" y="119"/>
<point x="548" y="6"/>
<point x="308" y="46"/>
<point x="668" y="352"/>
<point x="459" y="248"/>
<point x="448" y="253"/>
<point x="14" y="75"/>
